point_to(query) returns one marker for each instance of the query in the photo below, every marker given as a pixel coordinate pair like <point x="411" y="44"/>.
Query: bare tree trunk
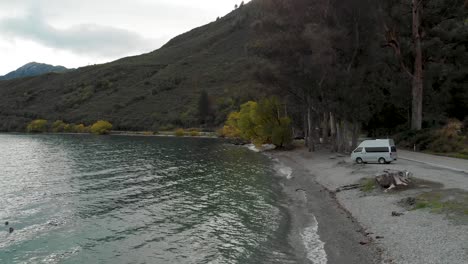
<point x="339" y="137"/>
<point x="309" y="128"/>
<point x="333" y="133"/>
<point x="344" y="134"/>
<point x="306" y="129"/>
<point x="356" y="130"/>
<point x="416" y="116"/>
<point x="325" y="127"/>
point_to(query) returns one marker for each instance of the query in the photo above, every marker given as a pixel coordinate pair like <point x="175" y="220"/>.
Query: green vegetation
<point x="438" y="202"/>
<point x="37" y="126"/>
<point x="58" y="126"/>
<point x="101" y="127"/>
<point x="179" y="132"/>
<point x="260" y="123"/>
<point x="450" y="140"/>
<point x="340" y="70"/>
<point x="368" y="185"/>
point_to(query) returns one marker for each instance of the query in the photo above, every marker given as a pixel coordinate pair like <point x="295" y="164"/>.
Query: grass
<point x="368" y="185"/>
<point x="437" y="203"/>
<point x="451" y="155"/>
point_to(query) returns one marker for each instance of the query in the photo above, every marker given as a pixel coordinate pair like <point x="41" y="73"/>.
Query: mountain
<point x="33" y="69"/>
<point x="150" y="91"/>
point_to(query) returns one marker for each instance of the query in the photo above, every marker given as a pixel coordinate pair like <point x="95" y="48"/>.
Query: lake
<point x="91" y="199"/>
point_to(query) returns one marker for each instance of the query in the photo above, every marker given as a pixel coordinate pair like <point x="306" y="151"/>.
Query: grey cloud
<point x="89" y="39"/>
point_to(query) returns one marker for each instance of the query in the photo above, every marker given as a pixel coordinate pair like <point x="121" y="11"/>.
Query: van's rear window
<point x="377" y="149"/>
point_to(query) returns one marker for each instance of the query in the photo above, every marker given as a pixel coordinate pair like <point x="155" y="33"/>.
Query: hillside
<point x="33" y="69"/>
<point x="333" y="64"/>
<point x="157" y="89"/>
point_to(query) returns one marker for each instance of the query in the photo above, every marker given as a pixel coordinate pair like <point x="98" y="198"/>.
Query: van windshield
<point x="358" y="150"/>
<point x="394" y="149"/>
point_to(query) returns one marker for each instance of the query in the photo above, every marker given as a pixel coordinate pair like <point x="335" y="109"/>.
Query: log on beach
<point x="390" y="179"/>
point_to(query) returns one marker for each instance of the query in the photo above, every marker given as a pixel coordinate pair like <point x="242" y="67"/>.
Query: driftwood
<point x="348" y="187"/>
<point x="390" y="179"/>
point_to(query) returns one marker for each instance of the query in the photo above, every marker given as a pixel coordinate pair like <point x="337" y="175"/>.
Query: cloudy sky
<point x="77" y="33"/>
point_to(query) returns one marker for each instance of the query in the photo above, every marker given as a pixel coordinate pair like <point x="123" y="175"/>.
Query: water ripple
<point x="86" y="199"/>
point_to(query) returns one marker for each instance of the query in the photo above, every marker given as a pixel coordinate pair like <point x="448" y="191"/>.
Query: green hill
<point x="161" y="88"/>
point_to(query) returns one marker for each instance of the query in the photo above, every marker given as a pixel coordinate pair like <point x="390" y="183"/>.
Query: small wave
<point x="314" y="246"/>
<point x="283" y="170"/>
<point x="264" y="147"/>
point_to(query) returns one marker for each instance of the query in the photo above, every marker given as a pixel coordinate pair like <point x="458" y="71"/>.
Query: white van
<point x="379" y="150"/>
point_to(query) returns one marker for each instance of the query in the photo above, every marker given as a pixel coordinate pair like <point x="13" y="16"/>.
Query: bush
<point x="448" y="139"/>
<point x="82" y="129"/>
<point x="37" y="126"/>
<point x="194" y="133"/>
<point x="282" y="134"/>
<point x="58" y="126"/>
<point x="260" y="123"/>
<point x="101" y="127"/>
<point x="180" y="132"/>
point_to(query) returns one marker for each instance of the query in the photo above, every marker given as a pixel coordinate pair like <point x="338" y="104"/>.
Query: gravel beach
<point x="417" y="236"/>
<point x="322" y="231"/>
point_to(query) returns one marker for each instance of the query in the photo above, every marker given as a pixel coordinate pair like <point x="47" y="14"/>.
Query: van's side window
<point x="377" y="149"/>
<point x="358" y="150"/>
<point x="394" y="149"/>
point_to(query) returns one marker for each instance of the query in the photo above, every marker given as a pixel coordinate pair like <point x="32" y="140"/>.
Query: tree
<point x="231" y="128"/>
<point x="261" y="123"/>
<point x="37" y="126"/>
<point x="205" y="110"/>
<point x="417" y="73"/>
<point x="58" y="126"/>
<point x="101" y="127"/>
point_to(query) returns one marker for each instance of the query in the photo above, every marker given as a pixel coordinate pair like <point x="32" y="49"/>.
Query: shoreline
<point x="349" y="217"/>
<point x="322" y="231"/>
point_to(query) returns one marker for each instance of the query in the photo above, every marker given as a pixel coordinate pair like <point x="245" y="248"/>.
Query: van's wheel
<point x="359" y="161"/>
<point x="382" y="161"/>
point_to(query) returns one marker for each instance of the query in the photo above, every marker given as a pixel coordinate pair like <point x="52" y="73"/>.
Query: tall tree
<point x="205" y="110"/>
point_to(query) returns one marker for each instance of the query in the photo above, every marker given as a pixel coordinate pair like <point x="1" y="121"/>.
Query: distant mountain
<point x="33" y="69"/>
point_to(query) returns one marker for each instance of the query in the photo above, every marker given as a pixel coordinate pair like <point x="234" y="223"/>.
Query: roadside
<point x="455" y="164"/>
<point x="414" y="236"/>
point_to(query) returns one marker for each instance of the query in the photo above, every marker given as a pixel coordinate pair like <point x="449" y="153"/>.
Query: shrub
<point x="81" y="129"/>
<point x="101" y="127"/>
<point x="180" y="132"/>
<point x="37" y="126"/>
<point x="260" y="123"/>
<point x="69" y="128"/>
<point x="194" y="133"/>
<point x="58" y="126"/>
<point x="282" y="134"/>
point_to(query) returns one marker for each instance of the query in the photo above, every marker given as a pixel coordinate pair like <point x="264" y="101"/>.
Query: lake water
<point x="90" y="199"/>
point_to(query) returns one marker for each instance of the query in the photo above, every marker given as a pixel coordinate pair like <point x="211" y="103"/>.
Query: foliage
<point x="231" y="128"/>
<point x="82" y="129"/>
<point x="37" y="126"/>
<point x="58" y="126"/>
<point x="205" y="109"/>
<point x="101" y="127"/>
<point x="179" y="132"/>
<point x="367" y="185"/>
<point x="323" y="56"/>
<point x="449" y="139"/>
<point x="194" y="133"/>
<point x="260" y="123"/>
